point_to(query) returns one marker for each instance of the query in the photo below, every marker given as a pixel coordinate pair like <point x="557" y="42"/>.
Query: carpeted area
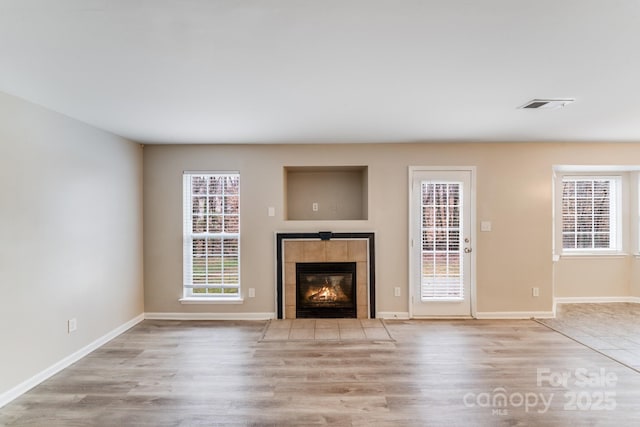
<point x="326" y="330"/>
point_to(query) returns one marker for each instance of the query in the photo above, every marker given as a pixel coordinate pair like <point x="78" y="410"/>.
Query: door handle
<point x="467" y="250"/>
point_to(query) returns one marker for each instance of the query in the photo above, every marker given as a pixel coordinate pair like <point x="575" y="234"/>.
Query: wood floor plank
<point x="204" y="373"/>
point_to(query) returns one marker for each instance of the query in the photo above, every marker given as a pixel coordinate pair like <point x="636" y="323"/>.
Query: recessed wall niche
<point x="325" y="193"/>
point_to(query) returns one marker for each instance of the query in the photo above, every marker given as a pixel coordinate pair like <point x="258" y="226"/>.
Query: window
<point x="590" y="207"/>
<point x="211" y="238"/>
<point x="441" y="230"/>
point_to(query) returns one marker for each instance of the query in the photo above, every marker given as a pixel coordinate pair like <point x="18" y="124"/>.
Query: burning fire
<point x="325" y="293"/>
<point x="326" y="289"/>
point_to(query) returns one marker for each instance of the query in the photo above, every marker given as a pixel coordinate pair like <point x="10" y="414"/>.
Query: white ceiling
<point x="284" y="71"/>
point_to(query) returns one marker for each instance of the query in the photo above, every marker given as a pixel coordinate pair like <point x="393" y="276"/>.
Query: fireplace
<point x="326" y="290"/>
<point x="319" y="248"/>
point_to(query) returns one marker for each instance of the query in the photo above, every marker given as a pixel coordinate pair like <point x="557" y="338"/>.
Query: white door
<point x="441" y="243"/>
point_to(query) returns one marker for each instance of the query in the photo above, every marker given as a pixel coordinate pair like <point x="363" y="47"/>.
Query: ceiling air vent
<point x="548" y="104"/>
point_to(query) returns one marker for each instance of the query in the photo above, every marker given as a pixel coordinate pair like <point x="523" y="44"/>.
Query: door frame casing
<point x="412" y="170"/>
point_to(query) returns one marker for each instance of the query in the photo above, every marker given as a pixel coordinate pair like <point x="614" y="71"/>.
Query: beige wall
<point x="635" y="278"/>
<point x="514" y="191"/>
<point x="338" y="193"/>
<point x="71" y="237"/>
<point x="594" y="277"/>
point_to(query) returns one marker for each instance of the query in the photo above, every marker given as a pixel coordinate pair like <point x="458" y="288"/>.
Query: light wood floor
<point x="172" y="373"/>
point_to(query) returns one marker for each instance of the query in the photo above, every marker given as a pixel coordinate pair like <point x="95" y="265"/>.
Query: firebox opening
<point x="326" y="290"/>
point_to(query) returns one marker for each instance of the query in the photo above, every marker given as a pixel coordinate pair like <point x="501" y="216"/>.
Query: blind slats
<point x="211" y="238"/>
<point x="441" y="251"/>
<point x="589" y="213"/>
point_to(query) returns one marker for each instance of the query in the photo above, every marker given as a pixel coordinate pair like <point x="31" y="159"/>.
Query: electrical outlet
<point x="252" y="292"/>
<point x="535" y="292"/>
<point x="396" y="291"/>
<point x="72" y="325"/>
<point x="314" y="207"/>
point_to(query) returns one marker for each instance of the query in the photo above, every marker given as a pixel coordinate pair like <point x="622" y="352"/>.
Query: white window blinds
<point x="441" y="254"/>
<point x="590" y="213"/>
<point x="211" y="238"/>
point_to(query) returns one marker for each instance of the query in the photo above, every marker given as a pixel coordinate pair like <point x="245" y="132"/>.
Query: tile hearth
<point x="326" y="330"/>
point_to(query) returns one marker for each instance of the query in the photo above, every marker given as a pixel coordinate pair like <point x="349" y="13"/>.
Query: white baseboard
<point x="27" y="385"/>
<point x="594" y="300"/>
<point x="479" y="315"/>
<point x="429" y="317"/>
<point x="515" y="315"/>
<point x="210" y="316"/>
<point x="402" y="315"/>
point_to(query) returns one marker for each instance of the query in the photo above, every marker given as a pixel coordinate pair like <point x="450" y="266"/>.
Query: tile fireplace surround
<point x="293" y="248"/>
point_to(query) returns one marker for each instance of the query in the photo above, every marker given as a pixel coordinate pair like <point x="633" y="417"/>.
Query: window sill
<point x="594" y="255"/>
<point x="211" y="300"/>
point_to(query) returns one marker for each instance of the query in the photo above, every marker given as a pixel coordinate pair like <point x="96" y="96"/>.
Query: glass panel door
<point x="441" y="243"/>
